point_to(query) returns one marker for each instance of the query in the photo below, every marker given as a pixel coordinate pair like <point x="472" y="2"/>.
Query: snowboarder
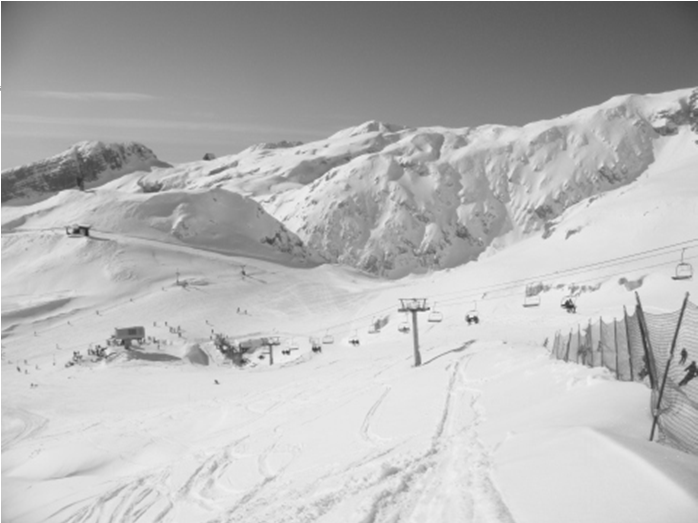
<point x="691" y="372"/>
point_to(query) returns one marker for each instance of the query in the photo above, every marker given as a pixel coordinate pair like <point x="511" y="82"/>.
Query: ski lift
<point x="291" y="347"/>
<point x="375" y="326"/>
<point x="354" y="340"/>
<point x="435" y="316"/>
<point x="684" y="270"/>
<point x="531" y="297"/>
<point x="569" y="302"/>
<point x="472" y="316"/>
<point x="328" y="339"/>
<point x="404" y="326"/>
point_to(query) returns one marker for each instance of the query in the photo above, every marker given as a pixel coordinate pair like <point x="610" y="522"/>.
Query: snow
<point x="488" y="429"/>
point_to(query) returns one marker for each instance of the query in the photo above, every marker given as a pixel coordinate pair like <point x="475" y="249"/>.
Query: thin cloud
<point x="93" y="96"/>
<point x="178" y="125"/>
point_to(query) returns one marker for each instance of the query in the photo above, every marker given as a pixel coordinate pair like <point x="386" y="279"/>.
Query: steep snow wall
<point x="436" y="197"/>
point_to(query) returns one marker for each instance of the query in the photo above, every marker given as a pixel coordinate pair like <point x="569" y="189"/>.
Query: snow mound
<point x="214" y="219"/>
<point x="194" y="354"/>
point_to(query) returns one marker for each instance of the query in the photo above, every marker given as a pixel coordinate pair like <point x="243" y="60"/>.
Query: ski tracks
<point x="365" y="432"/>
<point x="453" y="480"/>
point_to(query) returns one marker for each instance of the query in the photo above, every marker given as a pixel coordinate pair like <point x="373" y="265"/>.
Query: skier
<point x="684" y="356"/>
<point x="691" y="372"/>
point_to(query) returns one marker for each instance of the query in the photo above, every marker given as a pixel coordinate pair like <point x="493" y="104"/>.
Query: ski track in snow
<point x="450" y="480"/>
<point x="19" y="424"/>
<point x="453" y="480"/>
<point x="149" y="497"/>
<point x="366" y="435"/>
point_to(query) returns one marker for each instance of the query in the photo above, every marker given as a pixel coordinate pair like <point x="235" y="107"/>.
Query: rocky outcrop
<point x="92" y="162"/>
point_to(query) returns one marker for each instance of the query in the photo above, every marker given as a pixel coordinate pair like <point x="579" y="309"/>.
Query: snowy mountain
<point x="489" y="428"/>
<point x="95" y="162"/>
<point x="437" y="198"/>
<point x="392" y="200"/>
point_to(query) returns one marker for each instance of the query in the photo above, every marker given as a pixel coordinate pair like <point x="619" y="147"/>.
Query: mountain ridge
<point x="95" y="162"/>
<point x="391" y="200"/>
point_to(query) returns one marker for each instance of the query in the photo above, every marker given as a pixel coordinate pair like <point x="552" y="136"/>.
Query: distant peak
<point x="371" y="126"/>
<point x="265" y="146"/>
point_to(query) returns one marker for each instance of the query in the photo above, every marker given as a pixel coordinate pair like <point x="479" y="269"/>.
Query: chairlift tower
<point x="270" y="342"/>
<point x="414" y="306"/>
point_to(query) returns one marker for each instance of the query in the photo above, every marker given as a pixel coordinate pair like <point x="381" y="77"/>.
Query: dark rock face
<point x="85" y="161"/>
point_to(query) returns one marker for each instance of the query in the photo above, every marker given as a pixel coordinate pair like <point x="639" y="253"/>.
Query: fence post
<point x="666" y="370"/>
<point x="646" y="343"/>
<point x="569" y="342"/>
<point x="630" y="352"/>
<point x="615" y="344"/>
<point x="601" y="340"/>
<point x="590" y="344"/>
<point x="579" y="341"/>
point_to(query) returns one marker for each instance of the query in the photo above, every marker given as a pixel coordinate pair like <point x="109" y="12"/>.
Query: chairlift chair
<point x="315" y="345"/>
<point x="472" y="315"/>
<point x="684" y="270"/>
<point x="291" y="347"/>
<point x="435" y="316"/>
<point x="375" y="326"/>
<point x="569" y="303"/>
<point x="328" y="339"/>
<point x="354" y="340"/>
<point x="530" y="299"/>
<point x="404" y="326"/>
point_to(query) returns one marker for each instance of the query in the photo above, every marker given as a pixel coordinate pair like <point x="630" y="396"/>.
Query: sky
<point x="187" y="78"/>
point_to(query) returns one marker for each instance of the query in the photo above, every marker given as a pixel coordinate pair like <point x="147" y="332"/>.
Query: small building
<point x="209" y="156"/>
<point x="125" y="336"/>
<point x="77" y="230"/>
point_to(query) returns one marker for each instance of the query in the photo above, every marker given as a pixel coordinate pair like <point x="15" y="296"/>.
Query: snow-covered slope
<point x="216" y="220"/>
<point x="393" y="200"/>
<point x="488" y="429"/>
<point x="95" y="162"/>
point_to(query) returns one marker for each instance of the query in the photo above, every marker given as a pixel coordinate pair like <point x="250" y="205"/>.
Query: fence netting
<point x="638" y="347"/>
